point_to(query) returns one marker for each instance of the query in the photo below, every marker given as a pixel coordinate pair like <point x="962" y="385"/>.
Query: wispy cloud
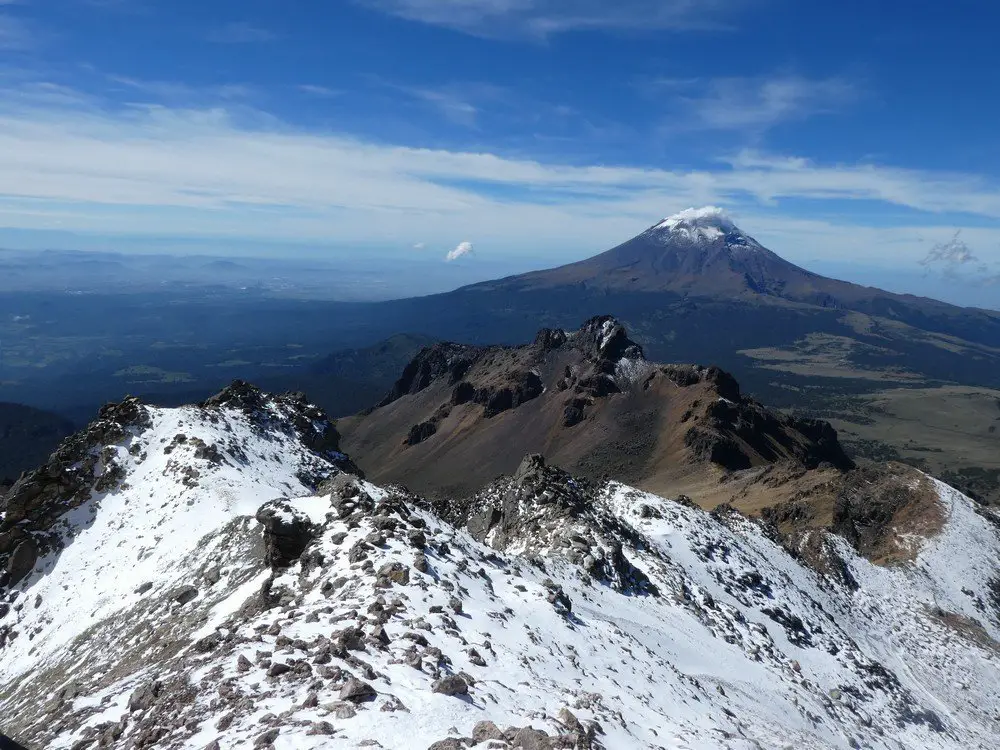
<point x="769" y="177"/>
<point x="216" y="170"/>
<point x="175" y="92"/>
<point x="543" y="18"/>
<point x="754" y="104"/>
<point x="951" y="254"/>
<point x="463" y="249"/>
<point x="450" y="106"/>
<point x="321" y="92"/>
<point x="419" y="245"/>
<point x="241" y="32"/>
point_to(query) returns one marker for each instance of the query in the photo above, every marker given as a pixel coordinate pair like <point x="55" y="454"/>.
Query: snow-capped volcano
<point x="218" y="576"/>
<point x="697" y="251"/>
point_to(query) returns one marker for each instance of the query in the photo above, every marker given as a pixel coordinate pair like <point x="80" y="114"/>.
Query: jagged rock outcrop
<point x="286" y="533"/>
<point x="543" y="509"/>
<point x="589" y="400"/>
<point x="317" y="432"/>
<point x="445" y="359"/>
<point x="880" y="509"/>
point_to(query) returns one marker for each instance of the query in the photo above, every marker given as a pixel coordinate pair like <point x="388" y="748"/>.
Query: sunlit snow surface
<point x="744" y="647"/>
<point x="703" y="225"/>
<point x="139" y="533"/>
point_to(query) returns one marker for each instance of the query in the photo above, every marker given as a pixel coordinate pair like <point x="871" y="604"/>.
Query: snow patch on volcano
<point x="706" y="224"/>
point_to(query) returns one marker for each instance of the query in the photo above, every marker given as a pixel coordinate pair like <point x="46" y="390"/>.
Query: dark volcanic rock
<point x="869" y="505"/>
<point x="440" y="360"/>
<point x="452" y="684"/>
<point x="603" y="337"/>
<point x="22" y="560"/>
<point x="356" y="691"/>
<point x="184" y="594"/>
<point x="519" y="388"/>
<point x="420" y="432"/>
<point x="144" y="696"/>
<point x="513" y="511"/>
<point x="734" y="427"/>
<point x="286" y="533"/>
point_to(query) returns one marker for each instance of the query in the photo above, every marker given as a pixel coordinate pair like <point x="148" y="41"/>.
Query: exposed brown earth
<point x="461" y="416"/>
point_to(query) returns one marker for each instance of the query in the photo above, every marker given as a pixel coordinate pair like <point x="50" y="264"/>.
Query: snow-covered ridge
<point x="186" y="473"/>
<point x="544" y="610"/>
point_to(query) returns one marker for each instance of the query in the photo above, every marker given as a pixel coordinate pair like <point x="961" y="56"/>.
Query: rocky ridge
<point x="588" y="399"/>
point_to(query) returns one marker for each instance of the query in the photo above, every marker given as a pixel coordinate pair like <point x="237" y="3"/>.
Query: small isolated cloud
<point x="241" y="33"/>
<point x="463" y="249"/>
<point x="419" y="245"/>
<point x="952" y="254"/>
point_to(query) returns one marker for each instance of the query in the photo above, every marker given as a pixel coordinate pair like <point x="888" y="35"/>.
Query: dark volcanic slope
<point x="702" y="252"/>
<point x="461" y="415"/>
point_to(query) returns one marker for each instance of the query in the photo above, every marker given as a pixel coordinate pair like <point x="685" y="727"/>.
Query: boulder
<point x="451" y="684"/>
<point x="144" y="696"/>
<point x="22" y="560"/>
<point x="184" y="594"/>
<point x="449" y="744"/>
<point x="531" y="739"/>
<point x="395" y="572"/>
<point x="356" y="691"/>
<point x="486" y="730"/>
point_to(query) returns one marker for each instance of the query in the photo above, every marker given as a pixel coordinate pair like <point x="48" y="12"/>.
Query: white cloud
<point x="542" y="18"/>
<point x="759" y="103"/>
<point x="420" y="246"/>
<point x="68" y="161"/>
<point x="241" y="32"/>
<point x="463" y="249"/>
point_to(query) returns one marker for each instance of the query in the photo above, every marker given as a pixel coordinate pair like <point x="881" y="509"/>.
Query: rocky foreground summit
<point x="221" y="576"/>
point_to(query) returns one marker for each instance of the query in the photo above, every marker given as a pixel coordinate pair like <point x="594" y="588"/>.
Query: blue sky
<point x="539" y="131"/>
